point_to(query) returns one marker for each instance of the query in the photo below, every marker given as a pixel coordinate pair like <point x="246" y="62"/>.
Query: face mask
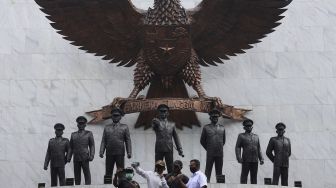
<point x="192" y="170"/>
<point x="129" y="176"/>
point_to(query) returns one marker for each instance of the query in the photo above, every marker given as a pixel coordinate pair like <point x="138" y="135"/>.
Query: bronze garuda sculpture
<point x="167" y="43"/>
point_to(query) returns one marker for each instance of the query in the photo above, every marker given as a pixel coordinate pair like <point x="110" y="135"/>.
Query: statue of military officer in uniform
<point x="249" y="142"/>
<point x="213" y="140"/>
<point x="165" y="131"/>
<point x="281" y="147"/>
<point x="115" y="137"/>
<point x="58" y="149"/>
<point x="83" y="148"/>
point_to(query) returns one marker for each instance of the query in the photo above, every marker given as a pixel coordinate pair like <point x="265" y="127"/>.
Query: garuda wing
<point x="108" y="28"/>
<point x="223" y="28"/>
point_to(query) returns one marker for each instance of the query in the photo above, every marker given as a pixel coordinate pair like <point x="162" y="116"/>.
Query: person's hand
<point x="156" y="122"/>
<point x="180" y="152"/>
<point x="91" y="158"/>
<point x="180" y="176"/>
<point x="261" y="162"/>
<point x="129" y="155"/>
<point x="135" y="164"/>
<point x="45" y="168"/>
<point x="101" y="155"/>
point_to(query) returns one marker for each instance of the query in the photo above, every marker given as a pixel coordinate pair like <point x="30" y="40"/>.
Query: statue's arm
<point x="103" y="144"/>
<point x="47" y="157"/>
<point x="70" y="149"/>
<point x="177" y="140"/>
<point x="92" y="146"/>
<point x="269" y="150"/>
<point x="238" y="149"/>
<point x="224" y="137"/>
<point x="260" y="156"/>
<point x="203" y="138"/>
<point x="155" y="124"/>
<point x="67" y="149"/>
<point x="290" y="148"/>
<point x="128" y="142"/>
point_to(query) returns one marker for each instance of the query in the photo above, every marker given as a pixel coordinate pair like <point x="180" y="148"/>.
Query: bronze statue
<point x="250" y="144"/>
<point x="281" y="147"/>
<point x="167" y="43"/>
<point x="115" y="137"/>
<point x="83" y="150"/>
<point x="165" y="131"/>
<point x="213" y="140"/>
<point x="57" y="152"/>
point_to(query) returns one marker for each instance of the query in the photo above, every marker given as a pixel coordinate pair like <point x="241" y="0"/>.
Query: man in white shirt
<point x="154" y="179"/>
<point x="197" y="179"/>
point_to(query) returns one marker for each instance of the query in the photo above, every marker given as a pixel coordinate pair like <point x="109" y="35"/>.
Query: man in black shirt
<point x="175" y="178"/>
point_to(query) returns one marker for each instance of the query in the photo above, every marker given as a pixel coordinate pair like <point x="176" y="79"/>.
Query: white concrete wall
<point x="289" y="77"/>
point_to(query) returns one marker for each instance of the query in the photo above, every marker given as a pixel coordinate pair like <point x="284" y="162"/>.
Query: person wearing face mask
<point x="213" y="140"/>
<point x="124" y="178"/>
<point x="115" y="137"/>
<point x="83" y="148"/>
<point x="281" y="147"/>
<point x="249" y="142"/>
<point x="197" y="179"/>
<point x="58" y="149"/>
<point x="154" y="179"/>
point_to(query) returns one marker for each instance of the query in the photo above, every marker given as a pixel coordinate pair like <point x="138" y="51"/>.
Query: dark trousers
<point x="57" y="172"/>
<point x="78" y="165"/>
<point x="168" y="156"/>
<point x="277" y="171"/>
<point x="249" y="167"/>
<point x="210" y="160"/>
<point x="119" y="160"/>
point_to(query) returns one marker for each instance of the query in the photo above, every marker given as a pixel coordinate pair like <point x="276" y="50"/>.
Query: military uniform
<point x="213" y="140"/>
<point x="249" y="142"/>
<point x="58" y="149"/>
<point x="165" y="131"/>
<point x="80" y="143"/>
<point x="115" y="137"/>
<point x="281" y="147"/>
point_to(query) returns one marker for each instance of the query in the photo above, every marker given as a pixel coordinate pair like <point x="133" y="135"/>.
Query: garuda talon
<point x="167" y="44"/>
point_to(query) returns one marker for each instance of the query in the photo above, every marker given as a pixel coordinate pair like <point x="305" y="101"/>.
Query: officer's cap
<point x="215" y="111"/>
<point x="162" y="106"/>
<point x="280" y="126"/>
<point x="117" y="111"/>
<point x="81" y="119"/>
<point x="247" y="123"/>
<point x="59" y="126"/>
